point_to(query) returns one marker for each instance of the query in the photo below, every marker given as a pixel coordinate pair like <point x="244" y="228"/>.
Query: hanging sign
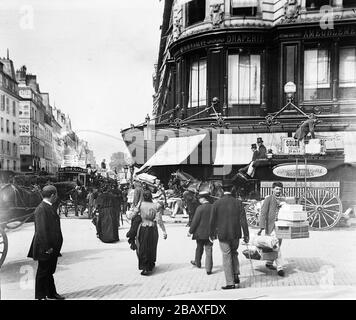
<point x="292" y="146"/>
<point x="290" y="170"/>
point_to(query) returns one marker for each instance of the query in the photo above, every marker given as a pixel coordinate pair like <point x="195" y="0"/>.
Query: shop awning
<point x="175" y="151"/>
<point x="235" y="149"/>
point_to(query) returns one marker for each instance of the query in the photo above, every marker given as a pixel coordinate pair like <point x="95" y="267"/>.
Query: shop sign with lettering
<point x="292" y="170"/>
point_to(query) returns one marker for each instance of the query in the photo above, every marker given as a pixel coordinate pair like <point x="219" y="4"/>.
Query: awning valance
<point x="235" y="149"/>
<point x="175" y="151"/>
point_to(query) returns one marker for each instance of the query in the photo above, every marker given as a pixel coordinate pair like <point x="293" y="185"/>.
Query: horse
<point x="17" y="202"/>
<point x="189" y="183"/>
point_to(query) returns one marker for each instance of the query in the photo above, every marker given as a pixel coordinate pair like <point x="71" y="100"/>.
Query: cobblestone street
<point x="90" y="269"/>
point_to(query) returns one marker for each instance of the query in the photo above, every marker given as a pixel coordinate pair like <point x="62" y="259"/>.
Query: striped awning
<point x="175" y="151"/>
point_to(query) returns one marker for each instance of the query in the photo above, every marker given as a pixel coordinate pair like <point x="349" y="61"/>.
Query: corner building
<point x="243" y="52"/>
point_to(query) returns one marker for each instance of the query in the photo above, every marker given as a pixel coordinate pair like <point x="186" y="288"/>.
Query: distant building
<point x="31" y="119"/>
<point x="9" y="118"/>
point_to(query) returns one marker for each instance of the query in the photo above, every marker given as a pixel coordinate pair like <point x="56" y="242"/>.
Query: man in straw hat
<point x="46" y="245"/>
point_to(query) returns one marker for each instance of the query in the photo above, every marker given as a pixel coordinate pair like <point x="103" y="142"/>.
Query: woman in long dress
<point x="147" y="234"/>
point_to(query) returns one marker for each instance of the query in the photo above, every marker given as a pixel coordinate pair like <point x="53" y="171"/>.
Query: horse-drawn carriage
<point x="17" y="204"/>
<point x="317" y="181"/>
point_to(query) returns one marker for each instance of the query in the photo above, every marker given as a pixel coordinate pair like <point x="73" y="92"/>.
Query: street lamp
<point x="290" y="89"/>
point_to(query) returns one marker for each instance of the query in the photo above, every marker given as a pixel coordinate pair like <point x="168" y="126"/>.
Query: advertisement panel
<point x="25" y="127"/>
<point x="291" y="170"/>
<point x="292" y="146"/>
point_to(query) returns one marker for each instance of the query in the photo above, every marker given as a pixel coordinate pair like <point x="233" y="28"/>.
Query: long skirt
<point x="147" y="240"/>
<point x="107" y="225"/>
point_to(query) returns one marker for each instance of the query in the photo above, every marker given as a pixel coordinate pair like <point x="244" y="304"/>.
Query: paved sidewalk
<point x="322" y="265"/>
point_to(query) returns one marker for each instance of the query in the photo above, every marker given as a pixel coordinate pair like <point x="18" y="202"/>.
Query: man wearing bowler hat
<point x="227" y="221"/>
<point x="199" y="228"/>
<point x="46" y="245"/>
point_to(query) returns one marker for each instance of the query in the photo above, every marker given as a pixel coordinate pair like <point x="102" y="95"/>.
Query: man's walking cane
<point x="251" y="264"/>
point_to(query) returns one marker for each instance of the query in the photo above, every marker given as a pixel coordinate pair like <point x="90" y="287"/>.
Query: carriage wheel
<point x="323" y="207"/>
<point x="3" y="246"/>
<point x="252" y="214"/>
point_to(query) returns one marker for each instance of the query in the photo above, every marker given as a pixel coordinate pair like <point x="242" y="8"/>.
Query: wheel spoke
<point x="331" y="205"/>
<point x="328" y="201"/>
<point x="307" y="200"/>
<point x="322" y="201"/>
<point x="331" y="211"/>
<point x="315" y="202"/>
<point x="330" y="216"/>
<point x="315" y="215"/>
<point x="325" y="221"/>
<point x="319" y="221"/>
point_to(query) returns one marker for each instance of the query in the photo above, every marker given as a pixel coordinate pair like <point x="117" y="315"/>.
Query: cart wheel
<point x="252" y="214"/>
<point x="323" y="207"/>
<point x="3" y="246"/>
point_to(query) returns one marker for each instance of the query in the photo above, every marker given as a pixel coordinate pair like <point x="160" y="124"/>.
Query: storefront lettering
<point x="230" y="39"/>
<point x="317" y="33"/>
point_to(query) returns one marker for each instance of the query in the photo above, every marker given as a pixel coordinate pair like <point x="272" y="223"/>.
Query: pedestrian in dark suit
<point x="191" y="204"/>
<point x="199" y="228"/>
<point x="46" y="245"/>
<point x="262" y="151"/>
<point x="227" y="218"/>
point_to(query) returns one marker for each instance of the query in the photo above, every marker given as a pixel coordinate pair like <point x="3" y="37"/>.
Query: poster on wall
<point x="24" y="127"/>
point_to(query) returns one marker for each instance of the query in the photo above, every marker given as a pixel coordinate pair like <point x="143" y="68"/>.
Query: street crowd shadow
<point x="169" y="267"/>
<point x="72" y="257"/>
<point x="98" y="292"/>
<point x="306" y="264"/>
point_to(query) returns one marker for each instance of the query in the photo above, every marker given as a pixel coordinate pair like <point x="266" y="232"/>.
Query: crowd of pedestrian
<point x="223" y="220"/>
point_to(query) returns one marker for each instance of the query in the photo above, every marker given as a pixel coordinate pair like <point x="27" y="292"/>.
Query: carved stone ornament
<point x="291" y="11"/>
<point x="216" y="14"/>
<point x="177" y="29"/>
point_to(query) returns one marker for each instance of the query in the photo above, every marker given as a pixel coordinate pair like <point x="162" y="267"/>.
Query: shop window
<point x="317" y="4"/>
<point x="244" y="79"/>
<point x="349" y="3"/>
<point x="244" y="8"/>
<point x="197" y="83"/>
<point x="317" y="74"/>
<point x="347" y="73"/>
<point x="195" y="11"/>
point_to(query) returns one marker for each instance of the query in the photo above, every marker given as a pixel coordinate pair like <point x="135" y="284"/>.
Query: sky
<point x="95" y="58"/>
